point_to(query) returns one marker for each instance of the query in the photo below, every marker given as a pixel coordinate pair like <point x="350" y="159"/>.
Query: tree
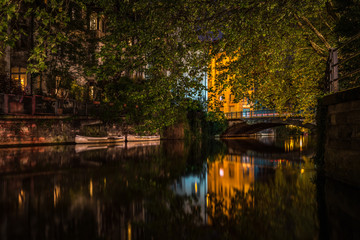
<point x="155" y="45"/>
<point x="155" y="53"/>
<point x="279" y="49"/>
<point x="60" y="44"/>
<point x="347" y="30"/>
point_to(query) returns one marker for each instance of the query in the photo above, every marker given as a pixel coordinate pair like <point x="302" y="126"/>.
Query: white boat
<point x="110" y="139"/>
<point x="135" y="138"/>
<point x="96" y="146"/>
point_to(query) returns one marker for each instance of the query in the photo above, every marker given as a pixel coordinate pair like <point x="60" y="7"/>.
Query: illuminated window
<point x="18" y="75"/>
<point x="231" y="170"/>
<point x="93" y="22"/>
<point x="91" y="92"/>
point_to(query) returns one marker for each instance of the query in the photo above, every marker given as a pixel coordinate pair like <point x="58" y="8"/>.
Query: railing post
<point x="33" y="104"/>
<point x="6" y="104"/>
<point x="333" y="70"/>
<point x="56" y="107"/>
<point x="74" y="107"/>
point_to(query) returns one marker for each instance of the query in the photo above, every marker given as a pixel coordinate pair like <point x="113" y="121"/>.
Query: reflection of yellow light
<point x="207" y="200"/>
<point x="196" y="187"/>
<point x="21" y="198"/>
<point x="221" y="172"/>
<point x="302" y="171"/>
<point x="56" y="194"/>
<point x="104" y="182"/>
<point x="301" y="142"/>
<point x="291" y="145"/>
<point x="91" y="188"/>
<point x="129" y="230"/>
<point x="246" y="165"/>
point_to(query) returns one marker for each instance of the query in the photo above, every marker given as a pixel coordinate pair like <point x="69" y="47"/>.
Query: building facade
<point x="220" y="97"/>
<point x="64" y="62"/>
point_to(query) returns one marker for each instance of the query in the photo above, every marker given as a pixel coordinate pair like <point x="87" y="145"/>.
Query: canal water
<point x="248" y="188"/>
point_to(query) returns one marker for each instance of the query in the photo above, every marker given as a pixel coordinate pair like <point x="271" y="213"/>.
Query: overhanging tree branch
<point x="318" y="34"/>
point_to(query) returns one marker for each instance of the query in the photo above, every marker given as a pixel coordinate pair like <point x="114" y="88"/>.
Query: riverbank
<point x="48" y="130"/>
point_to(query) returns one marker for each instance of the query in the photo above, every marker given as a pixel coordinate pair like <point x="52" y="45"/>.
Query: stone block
<point x="353" y="117"/>
<point x="343" y="165"/>
<point x="338" y="144"/>
<point x="333" y="119"/>
<point x="345" y="131"/>
<point x="332" y="109"/>
<point x="356" y="132"/>
<point x="332" y="132"/>
<point x="341" y="118"/>
<point x="343" y="107"/>
<point x="355" y="144"/>
<point x="355" y="105"/>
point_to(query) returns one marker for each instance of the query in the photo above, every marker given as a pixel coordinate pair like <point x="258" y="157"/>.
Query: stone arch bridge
<point x="245" y="123"/>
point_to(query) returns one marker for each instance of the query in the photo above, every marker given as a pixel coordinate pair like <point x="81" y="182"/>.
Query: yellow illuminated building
<point x="223" y="99"/>
<point x="234" y="172"/>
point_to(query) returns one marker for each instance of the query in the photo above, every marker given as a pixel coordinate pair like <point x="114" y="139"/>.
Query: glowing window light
<point x="302" y="171"/>
<point x="21" y="198"/>
<point x="56" y="194"/>
<point x="91" y="188"/>
<point x="19" y="76"/>
<point x="129" y="230"/>
<point x="221" y="172"/>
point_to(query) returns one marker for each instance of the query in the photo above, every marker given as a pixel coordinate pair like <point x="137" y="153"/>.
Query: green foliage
<point x="347" y="15"/>
<point x="76" y="91"/>
<point x="285" y="131"/>
<point x="216" y="123"/>
<point x="154" y="55"/>
<point x="278" y="49"/>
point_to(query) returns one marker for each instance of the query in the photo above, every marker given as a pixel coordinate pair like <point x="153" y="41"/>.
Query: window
<point x="93" y="22"/>
<point x="18" y="75"/>
<point x="246" y="112"/>
<point x="231" y="170"/>
<point x="231" y="98"/>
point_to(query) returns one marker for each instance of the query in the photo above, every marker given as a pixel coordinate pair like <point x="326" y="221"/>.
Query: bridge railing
<point x="255" y="114"/>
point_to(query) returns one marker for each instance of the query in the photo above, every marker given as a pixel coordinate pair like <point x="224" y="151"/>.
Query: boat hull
<point x="84" y="139"/>
<point x="133" y="138"/>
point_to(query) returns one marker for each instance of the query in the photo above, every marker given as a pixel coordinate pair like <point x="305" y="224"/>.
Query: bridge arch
<point x="245" y="125"/>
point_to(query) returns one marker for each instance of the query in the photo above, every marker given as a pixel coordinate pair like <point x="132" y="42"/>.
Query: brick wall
<point x="342" y="146"/>
<point x="37" y="130"/>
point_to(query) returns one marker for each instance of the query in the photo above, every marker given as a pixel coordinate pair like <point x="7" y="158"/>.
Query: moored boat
<point x="135" y="138"/>
<point x="110" y="139"/>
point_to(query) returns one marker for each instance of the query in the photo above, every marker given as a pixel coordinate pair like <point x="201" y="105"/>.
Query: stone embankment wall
<point x="25" y="130"/>
<point x="342" y="136"/>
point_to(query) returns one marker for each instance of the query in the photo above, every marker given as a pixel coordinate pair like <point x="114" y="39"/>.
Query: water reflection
<point x="248" y="188"/>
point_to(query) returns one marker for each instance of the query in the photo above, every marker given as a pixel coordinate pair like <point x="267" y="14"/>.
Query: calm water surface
<point x="245" y="188"/>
